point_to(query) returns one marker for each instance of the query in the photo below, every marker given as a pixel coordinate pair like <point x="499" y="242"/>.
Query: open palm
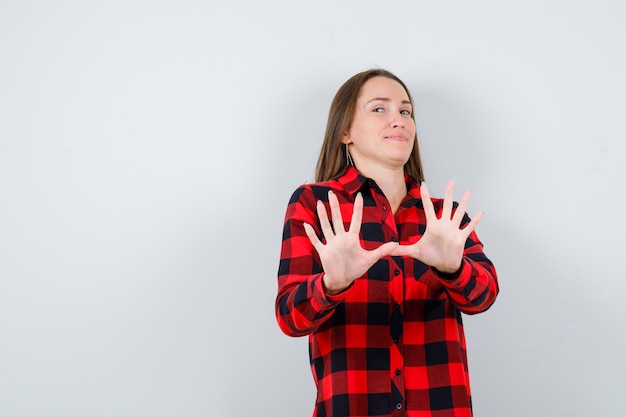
<point x="443" y="242"/>
<point x="343" y="258"/>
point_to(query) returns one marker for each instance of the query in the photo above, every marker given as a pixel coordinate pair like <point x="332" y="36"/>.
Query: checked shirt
<point x="392" y="344"/>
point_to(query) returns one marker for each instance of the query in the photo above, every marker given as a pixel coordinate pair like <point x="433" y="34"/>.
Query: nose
<point x="397" y="121"/>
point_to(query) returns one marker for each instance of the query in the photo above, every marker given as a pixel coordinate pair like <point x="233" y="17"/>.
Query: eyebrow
<point x="387" y="100"/>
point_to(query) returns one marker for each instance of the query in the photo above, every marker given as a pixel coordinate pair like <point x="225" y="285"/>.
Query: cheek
<point x="411" y="127"/>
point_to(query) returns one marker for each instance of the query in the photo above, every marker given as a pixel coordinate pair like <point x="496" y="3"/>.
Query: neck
<point x="390" y="181"/>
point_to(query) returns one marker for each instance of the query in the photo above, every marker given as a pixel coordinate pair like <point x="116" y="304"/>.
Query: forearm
<point x="302" y="305"/>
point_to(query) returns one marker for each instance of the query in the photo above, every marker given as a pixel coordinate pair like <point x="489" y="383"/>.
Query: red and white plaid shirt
<point x="392" y="344"/>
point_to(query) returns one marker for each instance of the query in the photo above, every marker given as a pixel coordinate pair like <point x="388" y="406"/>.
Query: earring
<point x="349" y="160"/>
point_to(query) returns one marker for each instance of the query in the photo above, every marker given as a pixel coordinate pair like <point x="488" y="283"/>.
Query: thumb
<point x="403" y="250"/>
<point x="385" y="249"/>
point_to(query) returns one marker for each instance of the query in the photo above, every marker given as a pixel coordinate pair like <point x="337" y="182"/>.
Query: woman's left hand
<point x="443" y="242"/>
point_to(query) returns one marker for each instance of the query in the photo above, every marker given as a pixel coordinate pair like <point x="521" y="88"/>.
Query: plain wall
<point x="148" y="150"/>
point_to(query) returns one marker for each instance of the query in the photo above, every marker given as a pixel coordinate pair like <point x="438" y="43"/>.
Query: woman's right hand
<point x="343" y="258"/>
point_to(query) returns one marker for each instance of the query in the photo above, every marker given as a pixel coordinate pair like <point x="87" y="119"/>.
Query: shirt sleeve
<point x="473" y="289"/>
<point x="301" y="304"/>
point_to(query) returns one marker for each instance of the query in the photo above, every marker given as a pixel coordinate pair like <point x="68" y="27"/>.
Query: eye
<point x="405" y="112"/>
<point x="378" y="110"/>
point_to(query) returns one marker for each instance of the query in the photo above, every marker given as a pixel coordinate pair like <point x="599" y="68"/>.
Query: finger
<point x="402" y="250"/>
<point x="446" y="212"/>
<point x="324" y="223"/>
<point x="335" y="212"/>
<point x="315" y="241"/>
<point x="357" y="214"/>
<point x="473" y="223"/>
<point x="461" y="208"/>
<point x="414" y="250"/>
<point x="383" y="250"/>
<point x="429" y="210"/>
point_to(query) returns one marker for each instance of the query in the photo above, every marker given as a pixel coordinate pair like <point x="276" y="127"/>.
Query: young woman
<point x="376" y="272"/>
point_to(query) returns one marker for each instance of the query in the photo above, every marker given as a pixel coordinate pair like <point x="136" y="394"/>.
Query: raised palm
<point x="342" y="256"/>
<point x="443" y="242"/>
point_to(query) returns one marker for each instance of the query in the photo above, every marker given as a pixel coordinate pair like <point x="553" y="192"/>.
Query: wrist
<point x="450" y="274"/>
<point x="331" y="288"/>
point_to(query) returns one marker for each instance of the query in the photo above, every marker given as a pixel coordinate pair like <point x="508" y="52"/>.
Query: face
<point x="382" y="133"/>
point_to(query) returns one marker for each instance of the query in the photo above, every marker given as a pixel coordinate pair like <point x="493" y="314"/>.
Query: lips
<point x="399" y="138"/>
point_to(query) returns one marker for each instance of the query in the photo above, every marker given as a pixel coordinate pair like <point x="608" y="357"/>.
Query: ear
<point x="345" y="139"/>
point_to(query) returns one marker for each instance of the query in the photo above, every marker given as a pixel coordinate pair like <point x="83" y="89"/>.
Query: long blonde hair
<point x="332" y="160"/>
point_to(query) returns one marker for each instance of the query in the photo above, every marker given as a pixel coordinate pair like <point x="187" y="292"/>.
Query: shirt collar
<point x="353" y="182"/>
<point x="413" y="192"/>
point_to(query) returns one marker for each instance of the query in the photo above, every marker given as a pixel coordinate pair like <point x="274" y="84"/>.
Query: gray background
<point x="148" y="150"/>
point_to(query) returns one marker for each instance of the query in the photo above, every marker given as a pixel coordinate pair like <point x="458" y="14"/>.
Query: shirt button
<point x="396" y="272"/>
<point x="399" y="406"/>
<point x="384" y="208"/>
<point x="398" y="372"/>
<point x="394" y="239"/>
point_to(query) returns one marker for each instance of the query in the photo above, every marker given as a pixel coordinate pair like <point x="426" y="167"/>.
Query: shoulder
<point x="315" y="191"/>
